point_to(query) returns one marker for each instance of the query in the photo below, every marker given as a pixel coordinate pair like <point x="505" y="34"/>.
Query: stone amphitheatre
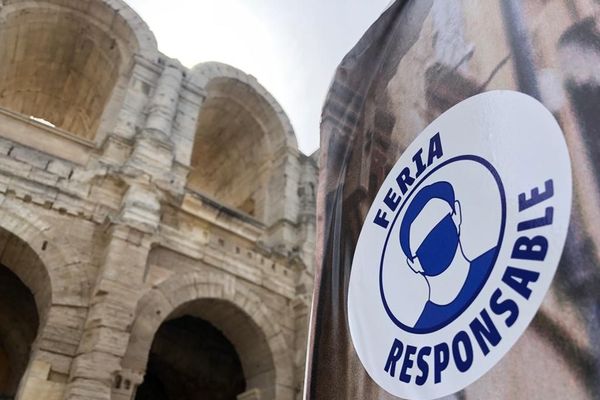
<point x="157" y="222"/>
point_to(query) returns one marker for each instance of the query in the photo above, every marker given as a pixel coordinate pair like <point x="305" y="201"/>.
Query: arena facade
<point x="156" y="222"/>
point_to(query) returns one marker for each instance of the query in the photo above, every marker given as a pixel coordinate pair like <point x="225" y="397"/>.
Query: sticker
<point x="460" y="245"/>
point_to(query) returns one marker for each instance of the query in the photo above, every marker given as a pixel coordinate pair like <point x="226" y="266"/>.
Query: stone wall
<point x="135" y="191"/>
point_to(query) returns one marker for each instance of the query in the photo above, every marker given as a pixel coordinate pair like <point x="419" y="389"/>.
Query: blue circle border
<point x="496" y="176"/>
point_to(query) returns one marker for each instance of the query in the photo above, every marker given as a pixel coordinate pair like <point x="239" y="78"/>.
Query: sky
<point x="291" y="46"/>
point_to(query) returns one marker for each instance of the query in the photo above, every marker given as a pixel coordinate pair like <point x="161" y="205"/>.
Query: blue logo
<point x="430" y="237"/>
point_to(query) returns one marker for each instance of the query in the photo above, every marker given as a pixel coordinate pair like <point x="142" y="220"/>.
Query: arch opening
<point x="58" y="68"/>
<point x="191" y="359"/>
<point x="208" y="349"/>
<point x="19" y="323"/>
<point x="233" y="152"/>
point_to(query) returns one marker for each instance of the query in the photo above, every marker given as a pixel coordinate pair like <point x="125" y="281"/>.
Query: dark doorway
<point x="190" y="359"/>
<point x="18" y="329"/>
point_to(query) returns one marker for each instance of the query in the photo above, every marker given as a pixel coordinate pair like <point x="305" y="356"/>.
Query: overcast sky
<point x="291" y="46"/>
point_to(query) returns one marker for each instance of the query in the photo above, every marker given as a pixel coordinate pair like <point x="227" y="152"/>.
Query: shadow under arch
<point x="231" y="307"/>
<point x="19" y="323"/>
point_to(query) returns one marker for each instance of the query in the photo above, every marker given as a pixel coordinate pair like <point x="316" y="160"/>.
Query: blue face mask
<point x="439" y="247"/>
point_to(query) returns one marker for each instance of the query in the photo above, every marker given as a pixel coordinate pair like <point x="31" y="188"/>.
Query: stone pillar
<point x="153" y="152"/>
<point x="163" y="106"/>
<point x="282" y="205"/>
<point x="113" y="304"/>
<point x="96" y="370"/>
<point x="117" y="146"/>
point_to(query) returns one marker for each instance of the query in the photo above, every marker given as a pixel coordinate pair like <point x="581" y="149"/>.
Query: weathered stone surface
<point x="143" y="192"/>
<point x="37" y="386"/>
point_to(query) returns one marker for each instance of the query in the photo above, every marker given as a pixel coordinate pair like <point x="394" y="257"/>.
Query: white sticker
<point x="460" y="245"/>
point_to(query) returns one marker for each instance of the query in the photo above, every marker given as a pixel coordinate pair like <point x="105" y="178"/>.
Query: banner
<point x="459" y="206"/>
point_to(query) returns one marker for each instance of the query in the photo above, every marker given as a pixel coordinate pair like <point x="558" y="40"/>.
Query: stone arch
<point x="205" y="73"/>
<point x="115" y="14"/>
<point x="58" y="287"/>
<point x="252" y="330"/>
<point x="68" y="62"/>
<point x="68" y="283"/>
<point x="242" y="134"/>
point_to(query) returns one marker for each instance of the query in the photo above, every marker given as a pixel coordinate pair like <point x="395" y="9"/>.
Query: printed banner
<point x="459" y="206"/>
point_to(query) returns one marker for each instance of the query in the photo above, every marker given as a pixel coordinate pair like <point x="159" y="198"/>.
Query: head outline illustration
<point x="438" y="199"/>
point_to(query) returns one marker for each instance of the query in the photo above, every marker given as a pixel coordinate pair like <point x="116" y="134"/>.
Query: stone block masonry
<point x="142" y="201"/>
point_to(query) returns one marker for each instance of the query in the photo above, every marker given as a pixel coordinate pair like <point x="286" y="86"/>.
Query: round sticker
<point x="460" y="245"/>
